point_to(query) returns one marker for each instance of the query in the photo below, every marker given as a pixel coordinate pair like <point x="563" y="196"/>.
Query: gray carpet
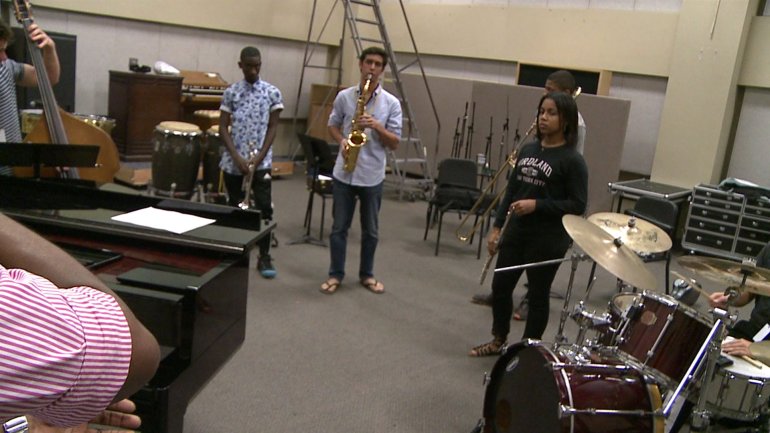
<point x="360" y="362"/>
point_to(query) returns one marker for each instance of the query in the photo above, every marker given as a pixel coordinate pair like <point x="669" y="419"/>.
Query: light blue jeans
<point x="342" y="211"/>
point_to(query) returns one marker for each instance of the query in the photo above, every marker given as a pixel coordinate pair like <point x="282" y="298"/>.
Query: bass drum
<point x="533" y="388"/>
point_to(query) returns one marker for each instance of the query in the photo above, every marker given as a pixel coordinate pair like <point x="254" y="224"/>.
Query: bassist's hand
<point x="40" y="38"/>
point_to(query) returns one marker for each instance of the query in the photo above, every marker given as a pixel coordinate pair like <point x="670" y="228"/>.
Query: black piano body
<point x="189" y="290"/>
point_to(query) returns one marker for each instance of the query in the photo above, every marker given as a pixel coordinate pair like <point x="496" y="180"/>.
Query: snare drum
<point x="662" y="337"/>
<point x="739" y="391"/>
<point x="176" y="158"/>
<point x="538" y="388"/>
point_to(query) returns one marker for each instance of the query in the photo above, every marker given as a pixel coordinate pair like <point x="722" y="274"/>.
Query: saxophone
<point x="357" y="137"/>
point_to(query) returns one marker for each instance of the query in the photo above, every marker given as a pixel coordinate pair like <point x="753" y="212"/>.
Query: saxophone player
<point x="365" y="109"/>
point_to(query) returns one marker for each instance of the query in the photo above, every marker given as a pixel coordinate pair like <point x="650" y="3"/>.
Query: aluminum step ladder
<point x="410" y="169"/>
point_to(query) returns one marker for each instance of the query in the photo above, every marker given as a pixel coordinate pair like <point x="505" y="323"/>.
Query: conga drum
<point x="205" y="119"/>
<point x="212" y="174"/>
<point x="175" y="159"/>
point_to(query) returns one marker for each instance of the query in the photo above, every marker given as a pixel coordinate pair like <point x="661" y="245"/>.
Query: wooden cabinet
<point x="726" y="224"/>
<point x="138" y="103"/>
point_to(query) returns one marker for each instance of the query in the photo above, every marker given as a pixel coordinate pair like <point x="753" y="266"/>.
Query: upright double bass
<point x="61" y="127"/>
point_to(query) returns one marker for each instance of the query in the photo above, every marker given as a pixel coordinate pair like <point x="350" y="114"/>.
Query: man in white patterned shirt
<point x="247" y="124"/>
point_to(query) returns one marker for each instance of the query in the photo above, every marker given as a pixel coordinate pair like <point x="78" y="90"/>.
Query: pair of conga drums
<point x="179" y="149"/>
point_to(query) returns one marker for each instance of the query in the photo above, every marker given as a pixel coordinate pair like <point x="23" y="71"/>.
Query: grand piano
<point x="188" y="289"/>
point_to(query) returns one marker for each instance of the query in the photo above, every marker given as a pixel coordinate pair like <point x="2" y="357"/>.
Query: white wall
<point x="105" y="43"/>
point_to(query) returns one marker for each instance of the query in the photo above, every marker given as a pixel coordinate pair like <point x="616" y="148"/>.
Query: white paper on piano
<point x="175" y="222"/>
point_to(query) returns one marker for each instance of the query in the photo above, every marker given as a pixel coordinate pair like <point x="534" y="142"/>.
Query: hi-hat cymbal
<point x="641" y="236"/>
<point x="613" y="256"/>
<point x="744" y="276"/>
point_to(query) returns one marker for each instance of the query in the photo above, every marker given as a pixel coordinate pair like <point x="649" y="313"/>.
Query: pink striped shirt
<point x="64" y="353"/>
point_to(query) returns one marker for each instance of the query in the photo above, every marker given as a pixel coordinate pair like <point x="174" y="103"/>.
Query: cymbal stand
<point x="575" y="257"/>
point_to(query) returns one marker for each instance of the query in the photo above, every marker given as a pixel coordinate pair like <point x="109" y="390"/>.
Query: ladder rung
<point x="362" y="3"/>
<point x="336" y="68"/>
<point x="409" y="160"/>
<point x="365" y="21"/>
<point x="379" y="41"/>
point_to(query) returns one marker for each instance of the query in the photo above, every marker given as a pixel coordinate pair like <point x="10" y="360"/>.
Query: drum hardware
<point x="574" y="258"/>
<point x="746" y="276"/>
<point x="587" y="320"/>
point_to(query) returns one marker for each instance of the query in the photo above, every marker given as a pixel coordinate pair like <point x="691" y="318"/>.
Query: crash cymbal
<point x="612" y="255"/>
<point x="744" y="276"/>
<point x="641" y="236"/>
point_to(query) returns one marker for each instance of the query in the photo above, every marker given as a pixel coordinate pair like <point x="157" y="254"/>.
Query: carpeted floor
<point x="360" y="362"/>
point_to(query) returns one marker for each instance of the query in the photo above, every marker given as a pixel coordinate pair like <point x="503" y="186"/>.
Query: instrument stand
<point x="574" y="258"/>
<point x="49" y="155"/>
<point x="319" y="161"/>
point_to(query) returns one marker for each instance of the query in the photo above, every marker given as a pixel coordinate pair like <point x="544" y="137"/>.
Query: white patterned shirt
<point x="250" y="106"/>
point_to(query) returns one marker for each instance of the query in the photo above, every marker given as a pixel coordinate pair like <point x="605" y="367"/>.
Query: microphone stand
<point x="456" y="140"/>
<point x="462" y="130"/>
<point x="469" y="145"/>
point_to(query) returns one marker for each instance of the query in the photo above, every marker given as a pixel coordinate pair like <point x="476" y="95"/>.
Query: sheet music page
<point x="175" y="222"/>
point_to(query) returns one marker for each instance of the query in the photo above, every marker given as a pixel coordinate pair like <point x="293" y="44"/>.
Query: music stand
<point x="51" y="155"/>
<point x="320" y="161"/>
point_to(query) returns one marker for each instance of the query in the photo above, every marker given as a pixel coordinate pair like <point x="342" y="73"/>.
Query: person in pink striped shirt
<point x="70" y="346"/>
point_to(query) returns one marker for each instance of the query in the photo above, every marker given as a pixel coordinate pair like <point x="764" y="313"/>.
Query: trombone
<point x="509" y="162"/>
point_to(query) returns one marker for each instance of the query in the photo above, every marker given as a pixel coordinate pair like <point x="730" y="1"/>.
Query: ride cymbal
<point x="744" y="276"/>
<point x="614" y="256"/>
<point x="641" y="236"/>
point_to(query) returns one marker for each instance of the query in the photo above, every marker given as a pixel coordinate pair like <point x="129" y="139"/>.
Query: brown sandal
<point x="373" y="285"/>
<point x="330" y="286"/>
<point x="492" y="348"/>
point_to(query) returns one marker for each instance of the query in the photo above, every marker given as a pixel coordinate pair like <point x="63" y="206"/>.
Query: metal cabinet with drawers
<point x="726" y="224"/>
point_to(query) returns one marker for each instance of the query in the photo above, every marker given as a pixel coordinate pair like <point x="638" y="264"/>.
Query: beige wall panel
<point x="756" y="60"/>
<point x="287" y="19"/>
<point x="588" y="39"/>
<point x="701" y="92"/>
<point x="607" y="120"/>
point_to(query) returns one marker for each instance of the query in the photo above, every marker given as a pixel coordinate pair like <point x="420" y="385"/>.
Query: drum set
<point x="631" y="367"/>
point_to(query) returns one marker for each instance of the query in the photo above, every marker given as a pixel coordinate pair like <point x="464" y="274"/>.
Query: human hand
<point x="523" y="207"/>
<point x="737" y="347"/>
<point x="366" y="121"/>
<point x="39" y="37"/>
<point x="116" y="418"/>
<point x="718" y="300"/>
<point x="493" y="240"/>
